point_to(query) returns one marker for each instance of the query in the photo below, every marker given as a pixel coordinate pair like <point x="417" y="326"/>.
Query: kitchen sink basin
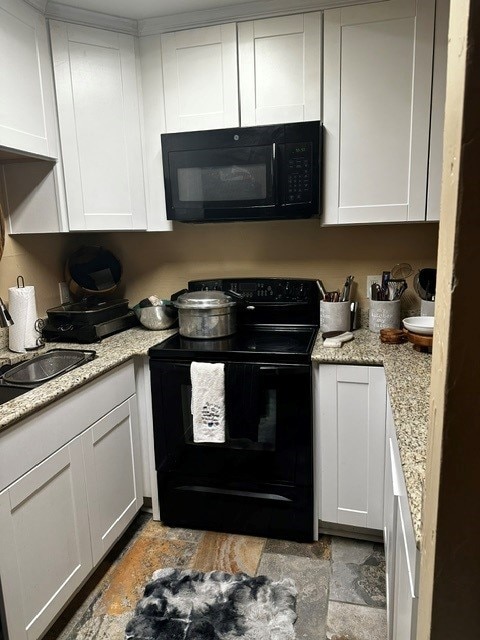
<point x="31" y="373"/>
<point x="9" y="392"/>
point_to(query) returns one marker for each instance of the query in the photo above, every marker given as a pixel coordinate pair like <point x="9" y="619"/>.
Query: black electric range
<point x="260" y="480"/>
<point x="280" y="324"/>
<point x="290" y="344"/>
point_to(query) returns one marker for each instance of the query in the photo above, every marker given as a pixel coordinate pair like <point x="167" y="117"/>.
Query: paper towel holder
<point x="5" y="317"/>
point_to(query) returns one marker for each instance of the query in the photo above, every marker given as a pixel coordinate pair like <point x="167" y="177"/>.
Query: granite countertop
<point x="110" y="352"/>
<point x="408" y="382"/>
<point x="407" y="373"/>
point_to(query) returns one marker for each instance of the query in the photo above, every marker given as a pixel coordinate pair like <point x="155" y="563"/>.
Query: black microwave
<point x="252" y="173"/>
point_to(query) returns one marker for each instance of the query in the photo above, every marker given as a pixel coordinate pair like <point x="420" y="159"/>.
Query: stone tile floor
<point x="340" y="582"/>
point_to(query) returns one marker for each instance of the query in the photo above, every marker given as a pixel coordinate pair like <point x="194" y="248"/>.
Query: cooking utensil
<point x="401" y="271"/>
<point x="92" y="271"/>
<point x="321" y="288"/>
<point x="345" y="296"/>
<point x="396" y="288"/>
<point x="159" y="316"/>
<point x="427" y="280"/>
<point x="206" y="314"/>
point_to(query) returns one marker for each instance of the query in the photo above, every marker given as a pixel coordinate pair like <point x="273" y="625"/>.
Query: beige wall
<point x="162" y="263"/>
<point x="39" y="259"/>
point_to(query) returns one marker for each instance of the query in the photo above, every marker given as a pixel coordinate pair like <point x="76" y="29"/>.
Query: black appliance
<point x="252" y="173"/>
<point x="87" y="321"/>
<point x="260" y="481"/>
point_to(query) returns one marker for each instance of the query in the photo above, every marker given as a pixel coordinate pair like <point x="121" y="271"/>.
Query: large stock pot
<point x="206" y="314"/>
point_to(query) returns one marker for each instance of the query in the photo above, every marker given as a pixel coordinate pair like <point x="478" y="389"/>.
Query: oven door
<point x="260" y="480"/>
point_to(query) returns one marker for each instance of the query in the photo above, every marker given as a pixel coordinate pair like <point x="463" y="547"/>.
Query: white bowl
<point x="420" y="324"/>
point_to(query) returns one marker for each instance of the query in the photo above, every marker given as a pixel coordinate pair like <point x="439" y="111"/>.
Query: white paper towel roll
<point x="23" y="309"/>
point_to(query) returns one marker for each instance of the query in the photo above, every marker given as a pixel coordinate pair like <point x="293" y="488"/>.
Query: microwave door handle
<point x="275" y="175"/>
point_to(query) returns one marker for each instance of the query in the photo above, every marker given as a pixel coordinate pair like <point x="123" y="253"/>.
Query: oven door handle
<point x="234" y="492"/>
<point x="286" y="367"/>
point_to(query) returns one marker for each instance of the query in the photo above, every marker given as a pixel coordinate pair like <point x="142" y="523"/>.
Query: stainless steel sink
<point x="45" y="367"/>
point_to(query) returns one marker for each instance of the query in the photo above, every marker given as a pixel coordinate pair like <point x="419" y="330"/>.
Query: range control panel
<point x="298" y="162"/>
<point x="273" y="290"/>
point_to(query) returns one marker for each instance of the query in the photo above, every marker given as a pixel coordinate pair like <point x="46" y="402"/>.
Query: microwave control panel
<point x="298" y="162"/>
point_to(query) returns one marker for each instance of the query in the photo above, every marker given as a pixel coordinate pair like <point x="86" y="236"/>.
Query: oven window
<point x="257" y="437"/>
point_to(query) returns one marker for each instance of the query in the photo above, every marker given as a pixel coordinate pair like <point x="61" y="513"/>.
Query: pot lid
<point x="204" y="300"/>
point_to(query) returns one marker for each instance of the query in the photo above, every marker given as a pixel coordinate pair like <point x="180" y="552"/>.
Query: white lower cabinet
<point x="60" y="517"/>
<point x="45" y="551"/>
<point x="111" y="451"/>
<point x="401" y="553"/>
<point x="350" y="434"/>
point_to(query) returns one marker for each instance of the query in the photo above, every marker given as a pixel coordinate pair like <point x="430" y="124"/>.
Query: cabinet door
<point x="391" y="493"/>
<point x="439" y="89"/>
<point x="153" y="103"/>
<point x="405" y="603"/>
<point x="113" y="474"/>
<point x="27" y="105"/>
<point x="279" y="63"/>
<point x="377" y="86"/>
<point x="200" y="78"/>
<point x="97" y="95"/>
<point x="351" y="409"/>
<point x="44" y="541"/>
<point x="35" y="197"/>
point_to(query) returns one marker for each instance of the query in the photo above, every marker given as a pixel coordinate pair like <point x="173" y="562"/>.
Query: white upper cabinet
<point x="280" y="63"/>
<point x="34" y="197"/>
<point x="438" y="109"/>
<point x="27" y="104"/>
<point x="150" y="50"/>
<point x="377" y="88"/>
<point x="100" y="131"/>
<point x="200" y="78"/>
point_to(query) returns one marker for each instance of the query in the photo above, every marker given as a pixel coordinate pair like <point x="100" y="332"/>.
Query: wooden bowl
<point x="420" y="343"/>
<point x="393" y="336"/>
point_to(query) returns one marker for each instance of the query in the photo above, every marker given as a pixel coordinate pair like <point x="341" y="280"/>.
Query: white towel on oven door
<point x="208" y="401"/>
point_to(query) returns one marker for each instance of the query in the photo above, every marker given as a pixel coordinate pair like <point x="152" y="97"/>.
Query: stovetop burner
<point x="266" y="343"/>
<point x="279" y="325"/>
